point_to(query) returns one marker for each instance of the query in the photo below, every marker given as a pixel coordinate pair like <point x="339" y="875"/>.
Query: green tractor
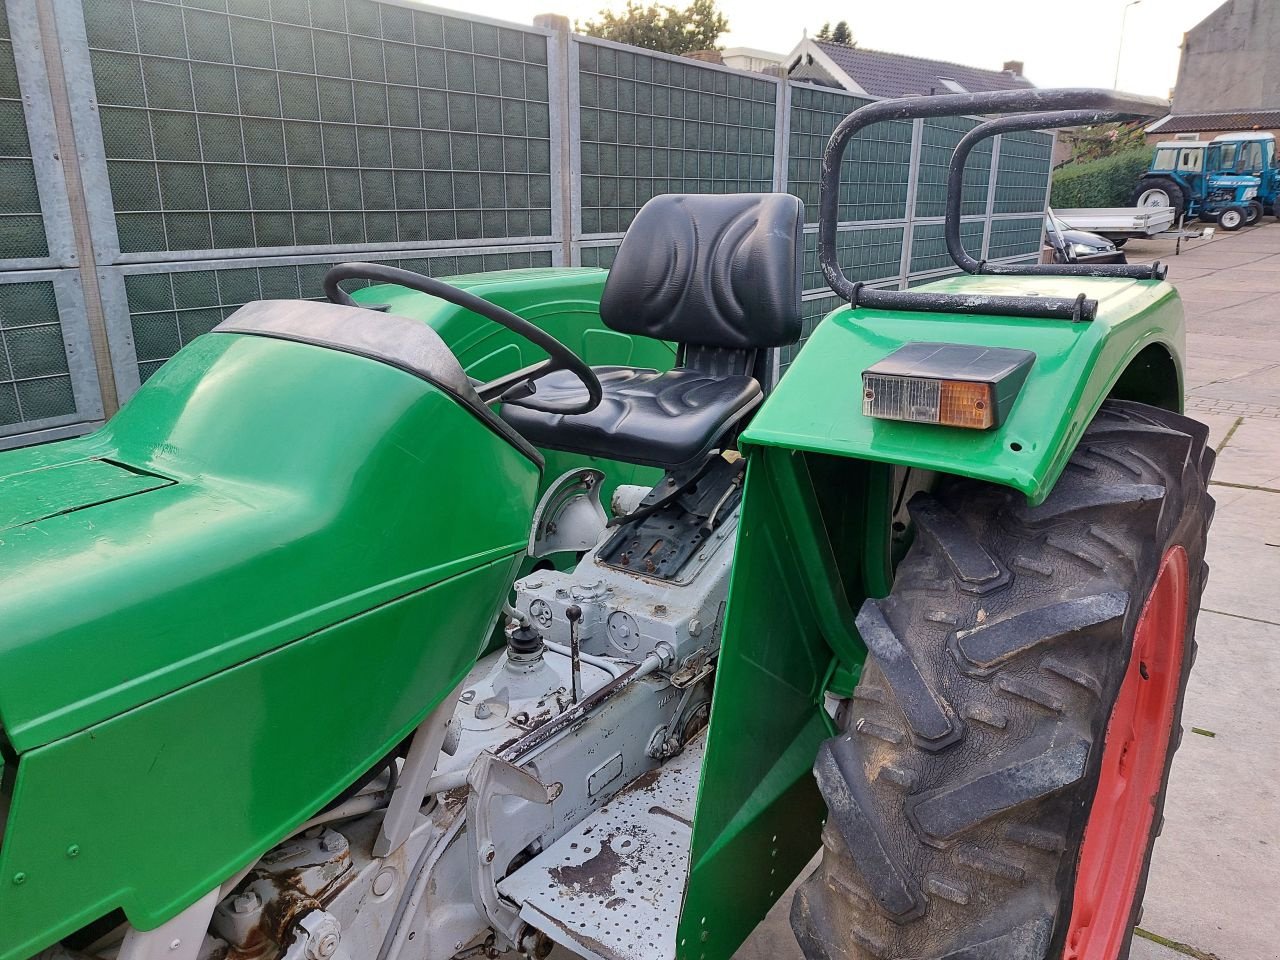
<point x="925" y="603"/>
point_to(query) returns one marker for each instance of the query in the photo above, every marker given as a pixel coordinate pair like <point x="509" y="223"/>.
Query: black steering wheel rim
<point x="560" y="356"/>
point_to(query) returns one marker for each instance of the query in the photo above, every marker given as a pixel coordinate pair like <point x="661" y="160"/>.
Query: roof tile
<point x="1235" y="120"/>
<point x="896" y="75"/>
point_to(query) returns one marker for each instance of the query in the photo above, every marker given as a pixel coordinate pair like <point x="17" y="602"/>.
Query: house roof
<point x="1236" y="120"/>
<point x="895" y="75"/>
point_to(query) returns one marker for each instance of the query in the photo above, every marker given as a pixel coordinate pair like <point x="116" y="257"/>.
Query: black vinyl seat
<point x="645" y="417"/>
<point x="720" y="276"/>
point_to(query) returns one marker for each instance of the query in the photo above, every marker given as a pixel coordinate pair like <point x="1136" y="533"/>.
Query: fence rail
<point x="166" y="161"/>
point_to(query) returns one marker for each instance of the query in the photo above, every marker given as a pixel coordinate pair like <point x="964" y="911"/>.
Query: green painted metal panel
<point x="165" y="802"/>
<point x="818" y="405"/>
<point x="309" y="489"/>
<point x="812" y="544"/>
<point x="565" y="302"/>
<point x="66" y="487"/>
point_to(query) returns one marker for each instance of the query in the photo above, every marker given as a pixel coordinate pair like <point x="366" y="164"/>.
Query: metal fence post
<point x="67" y="61"/>
<point x="782" y="136"/>
<point x="992" y="177"/>
<point x="913" y="178"/>
<point x="562" y="79"/>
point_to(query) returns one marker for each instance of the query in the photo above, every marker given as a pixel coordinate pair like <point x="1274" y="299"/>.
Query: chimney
<point x="1013" y="66"/>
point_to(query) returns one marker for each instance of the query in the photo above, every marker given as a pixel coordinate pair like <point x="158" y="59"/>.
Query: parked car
<point x="1078" y="246"/>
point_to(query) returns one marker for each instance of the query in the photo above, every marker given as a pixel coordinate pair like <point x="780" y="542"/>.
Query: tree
<point x="841" y="34"/>
<point x="661" y="27"/>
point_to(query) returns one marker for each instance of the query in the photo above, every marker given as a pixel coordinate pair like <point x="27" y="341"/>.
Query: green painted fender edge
<point x="813" y="543"/>
<point x="1137" y="342"/>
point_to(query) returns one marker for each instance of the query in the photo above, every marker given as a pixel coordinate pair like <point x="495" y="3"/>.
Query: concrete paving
<point x="1214" y="889"/>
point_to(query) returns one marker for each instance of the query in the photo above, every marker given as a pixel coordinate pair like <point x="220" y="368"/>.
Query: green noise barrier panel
<point x="252" y="125"/>
<point x="168" y="309"/>
<point x="651" y="125"/>
<point x="35" y="377"/>
<point x="22" y="233"/>
<point x="939" y="137"/>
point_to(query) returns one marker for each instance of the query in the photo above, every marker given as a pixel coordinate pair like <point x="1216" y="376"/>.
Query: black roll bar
<point x="955" y="182"/>
<point x="1038" y="108"/>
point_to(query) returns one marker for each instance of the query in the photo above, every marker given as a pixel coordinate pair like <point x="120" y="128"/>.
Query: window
<point x="1250" y="160"/>
<point x="953" y="85"/>
<point x="1166" y="159"/>
<point x="1191" y="161"/>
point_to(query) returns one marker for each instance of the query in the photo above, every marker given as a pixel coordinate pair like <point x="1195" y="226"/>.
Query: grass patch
<point x="1183" y="948"/>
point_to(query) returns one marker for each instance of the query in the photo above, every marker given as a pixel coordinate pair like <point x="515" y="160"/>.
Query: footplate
<point x="610" y="888"/>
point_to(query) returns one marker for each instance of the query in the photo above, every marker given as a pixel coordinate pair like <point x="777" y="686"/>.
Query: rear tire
<point x="974" y="745"/>
<point x="1159" y="192"/>
<point x="1232" y="218"/>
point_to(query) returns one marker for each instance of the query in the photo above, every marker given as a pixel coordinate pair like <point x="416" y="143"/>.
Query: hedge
<point x="1105" y="182"/>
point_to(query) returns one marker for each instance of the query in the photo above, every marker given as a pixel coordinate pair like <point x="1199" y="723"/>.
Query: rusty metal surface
<point x="611" y="887"/>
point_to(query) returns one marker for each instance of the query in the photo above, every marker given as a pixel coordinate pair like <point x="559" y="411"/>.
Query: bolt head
<point x="246" y="903"/>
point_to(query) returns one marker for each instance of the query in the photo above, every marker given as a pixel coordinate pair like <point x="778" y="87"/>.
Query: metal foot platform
<point x="610" y="888"/>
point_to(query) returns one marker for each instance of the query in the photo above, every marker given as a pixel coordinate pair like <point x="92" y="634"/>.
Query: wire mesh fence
<point x="178" y="158"/>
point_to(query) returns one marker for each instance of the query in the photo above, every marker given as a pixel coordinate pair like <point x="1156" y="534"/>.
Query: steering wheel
<point x="517" y="388"/>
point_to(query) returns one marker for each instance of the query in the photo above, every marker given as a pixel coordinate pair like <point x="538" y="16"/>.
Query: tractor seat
<point x="720" y="276"/>
<point x="645" y="417"/>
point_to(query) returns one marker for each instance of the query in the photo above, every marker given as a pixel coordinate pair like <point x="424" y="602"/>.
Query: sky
<point x="1062" y="43"/>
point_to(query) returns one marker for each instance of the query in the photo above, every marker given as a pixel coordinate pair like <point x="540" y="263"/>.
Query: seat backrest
<point x="713" y="270"/>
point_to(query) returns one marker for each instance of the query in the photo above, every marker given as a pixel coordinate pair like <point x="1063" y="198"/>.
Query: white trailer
<point x="1118" y="224"/>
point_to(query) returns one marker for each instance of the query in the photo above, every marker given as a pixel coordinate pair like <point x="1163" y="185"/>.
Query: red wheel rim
<point x="1134" y="755"/>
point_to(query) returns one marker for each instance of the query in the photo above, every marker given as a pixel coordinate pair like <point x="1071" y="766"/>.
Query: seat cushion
<point x="645" y="417"/>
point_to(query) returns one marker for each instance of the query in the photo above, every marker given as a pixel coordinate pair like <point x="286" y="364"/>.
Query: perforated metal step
<point x="610" y="888"/>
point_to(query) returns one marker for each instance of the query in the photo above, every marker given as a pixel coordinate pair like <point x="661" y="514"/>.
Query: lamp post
<point x="1115" y="83"/>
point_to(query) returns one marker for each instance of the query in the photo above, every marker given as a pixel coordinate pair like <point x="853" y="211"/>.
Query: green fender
<point x="813" y="544"/>
<point x="818" y="405"/>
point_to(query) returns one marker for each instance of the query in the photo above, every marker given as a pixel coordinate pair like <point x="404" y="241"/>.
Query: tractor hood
<point x="256" y="490"/>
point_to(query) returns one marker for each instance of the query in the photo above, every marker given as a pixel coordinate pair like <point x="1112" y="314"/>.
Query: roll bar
<point x="1032" y="110"/>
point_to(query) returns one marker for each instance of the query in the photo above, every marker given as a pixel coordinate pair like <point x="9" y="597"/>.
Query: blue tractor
<point x="1231" y="179"/>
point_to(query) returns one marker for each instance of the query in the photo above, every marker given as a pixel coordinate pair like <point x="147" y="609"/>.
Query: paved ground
<point x="1214" y="890"/>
